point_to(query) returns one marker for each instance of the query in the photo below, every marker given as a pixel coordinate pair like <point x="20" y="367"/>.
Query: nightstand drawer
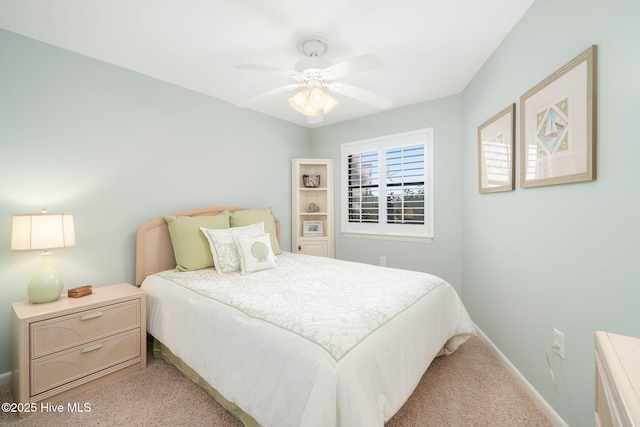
<point x="68" y="331"/>
<point x="63" y="367"/>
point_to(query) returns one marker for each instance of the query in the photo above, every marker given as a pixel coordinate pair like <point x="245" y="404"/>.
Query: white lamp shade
<point x="330" y="104"/>
<point x="317" y="98"/>
<point x="43" y="231"/>
<point x="299" y="101"/>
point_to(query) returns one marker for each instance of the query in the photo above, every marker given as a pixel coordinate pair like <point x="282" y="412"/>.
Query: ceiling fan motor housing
<point x="313" y="47"/>
<point x="311" y="63"/>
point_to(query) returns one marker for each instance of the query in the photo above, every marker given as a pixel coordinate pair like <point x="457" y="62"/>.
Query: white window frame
<point x="382" y="230"/>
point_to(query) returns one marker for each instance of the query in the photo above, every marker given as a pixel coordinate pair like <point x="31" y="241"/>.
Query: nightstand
<point x="617" y="380"/>
<point x="70" y="345"/>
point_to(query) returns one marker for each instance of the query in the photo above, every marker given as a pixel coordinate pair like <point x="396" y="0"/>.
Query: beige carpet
<point x="468" y="388"/>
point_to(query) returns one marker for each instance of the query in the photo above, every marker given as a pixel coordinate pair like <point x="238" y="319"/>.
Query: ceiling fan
<point x="314" y="73"/>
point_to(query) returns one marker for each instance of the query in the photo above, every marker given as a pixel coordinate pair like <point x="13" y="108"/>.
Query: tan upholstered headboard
<point x="154" y="251"/>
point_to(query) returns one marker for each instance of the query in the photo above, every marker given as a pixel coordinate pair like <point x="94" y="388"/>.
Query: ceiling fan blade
<point x="354" y="65"/>
<point x="360" y="94"/>
<point x="282" y="71"/>
<point x="265" y="95"/>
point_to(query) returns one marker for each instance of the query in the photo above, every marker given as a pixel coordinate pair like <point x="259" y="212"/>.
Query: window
<point x="387" y="187"/>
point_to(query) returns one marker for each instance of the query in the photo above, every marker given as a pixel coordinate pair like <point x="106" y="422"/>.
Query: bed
<point x="308" y="341"/>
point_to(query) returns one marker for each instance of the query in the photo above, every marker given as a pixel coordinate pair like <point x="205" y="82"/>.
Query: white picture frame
<point x="312" y="229"/>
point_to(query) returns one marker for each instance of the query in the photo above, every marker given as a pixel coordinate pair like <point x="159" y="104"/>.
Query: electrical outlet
<point x="383" y="261"/>
<point x="558" y="342"/>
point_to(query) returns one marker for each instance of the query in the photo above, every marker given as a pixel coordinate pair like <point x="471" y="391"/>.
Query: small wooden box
<point x="80" y="291"/>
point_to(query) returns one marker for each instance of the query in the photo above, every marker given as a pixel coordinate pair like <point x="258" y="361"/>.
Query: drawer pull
<point x="92" y="315"/>
<point x="91" y="348"/>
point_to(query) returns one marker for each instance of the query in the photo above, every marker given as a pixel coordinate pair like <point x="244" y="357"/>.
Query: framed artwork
<point x="312" y="228"/>
<point x="558" y="125"/>
<point x="311" y="181"/>
<point x="496" y="152"/>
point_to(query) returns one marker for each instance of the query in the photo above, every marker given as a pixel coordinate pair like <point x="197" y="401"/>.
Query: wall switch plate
<point x="383" y="261"/>
<point x="558" y="342"/>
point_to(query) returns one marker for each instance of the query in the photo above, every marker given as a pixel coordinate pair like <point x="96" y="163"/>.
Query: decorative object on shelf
<point x="43" y="231"/>
<point x="80" y="291"/>
<point x="312" y="228"/>
<point x="312" y="207"/>
<point x="311" y="181"/>
<point x="496" y="152"/>
<point x="558" y="125"/>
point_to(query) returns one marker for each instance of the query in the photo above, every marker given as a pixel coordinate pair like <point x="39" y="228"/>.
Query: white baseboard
<point x="5" y="378"/>
<point x="532" y="392"/>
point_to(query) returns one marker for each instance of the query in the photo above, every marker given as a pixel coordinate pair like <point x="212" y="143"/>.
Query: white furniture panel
<point x="617" y="382"/>
<point x="74" y="344"/>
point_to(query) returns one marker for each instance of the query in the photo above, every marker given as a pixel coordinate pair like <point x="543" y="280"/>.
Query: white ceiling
<point x="431" y="48"/>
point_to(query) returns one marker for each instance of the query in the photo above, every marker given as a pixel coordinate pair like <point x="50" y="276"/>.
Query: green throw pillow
<point x="248" y="217"/>
<point x="190" y="246"/>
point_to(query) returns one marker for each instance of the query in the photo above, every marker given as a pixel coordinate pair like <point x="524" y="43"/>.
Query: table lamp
<point x="43" y="231"/>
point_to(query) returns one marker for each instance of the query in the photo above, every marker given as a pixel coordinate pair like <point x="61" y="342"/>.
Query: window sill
<point x="389" y="237"/>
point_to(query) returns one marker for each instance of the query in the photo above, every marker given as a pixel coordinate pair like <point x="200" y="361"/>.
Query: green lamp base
<point x="46" y="285"/>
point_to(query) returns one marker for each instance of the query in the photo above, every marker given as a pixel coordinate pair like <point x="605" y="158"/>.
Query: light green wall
<point x="442" y="257"/>
<point x="118" y="149"/>
<point x="563" y="256"/>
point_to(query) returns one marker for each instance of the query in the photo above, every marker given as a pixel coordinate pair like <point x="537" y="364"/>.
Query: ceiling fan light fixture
<point x="311" y="100"/>
<point x="317" y="98"/>
<point x="330" y="104"/>
<point x="299" y="101"/>
<point x="310" y="111"/>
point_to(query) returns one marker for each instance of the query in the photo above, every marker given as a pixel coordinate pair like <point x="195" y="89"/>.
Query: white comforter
<point x="312" y="342"/>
